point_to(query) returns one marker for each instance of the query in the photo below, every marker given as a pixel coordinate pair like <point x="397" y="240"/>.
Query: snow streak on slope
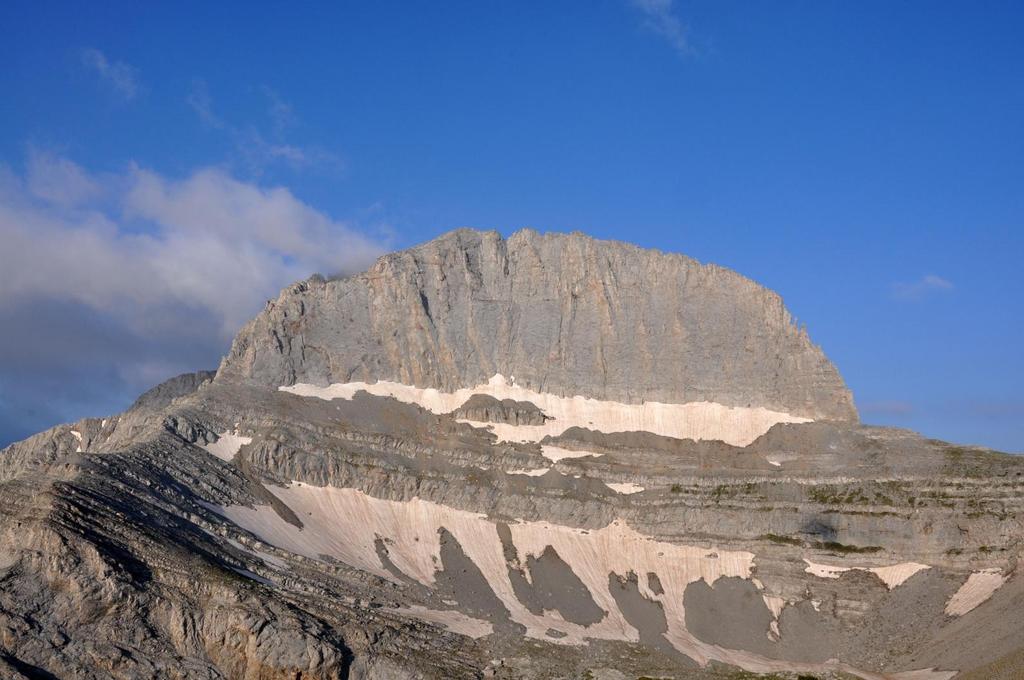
<point x="557" y="453"/>
<point x="535" y="472"/>
<point x="345" y="524"/>
<point x="625" y="488"/>
<point x="978" y="587"/>
<point x="452" y="620"/>
<point x="892" y="575"/>
<point x="227" y="445"/>
<point x="695" y="420"/>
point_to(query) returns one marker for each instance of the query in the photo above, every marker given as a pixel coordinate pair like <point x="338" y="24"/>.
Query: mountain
<point x="545" y="456"/>
<point x="564" y="314"/>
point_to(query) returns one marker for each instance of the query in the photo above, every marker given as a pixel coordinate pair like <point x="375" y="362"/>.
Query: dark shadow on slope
<point x="732" y="614"/>
<point x="461" y="580"/>
<point x="647" y="616"/>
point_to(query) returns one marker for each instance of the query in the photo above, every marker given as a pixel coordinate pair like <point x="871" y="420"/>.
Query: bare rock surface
<point x="487" y="409"/>
<point x="223" y="528"/>
<point x="565" y="314"/>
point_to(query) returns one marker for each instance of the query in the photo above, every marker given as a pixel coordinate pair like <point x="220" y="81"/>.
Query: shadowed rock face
<point x="563" y="314"/>
<point x="169" y="390"/>
<point x="227" y="529"/>
<point x="731" y="614"/>
<point x="486" y="409"/>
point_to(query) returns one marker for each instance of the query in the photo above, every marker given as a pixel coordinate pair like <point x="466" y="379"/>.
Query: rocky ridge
<point x="224" y="527"/>
<point x="562" y="314"/>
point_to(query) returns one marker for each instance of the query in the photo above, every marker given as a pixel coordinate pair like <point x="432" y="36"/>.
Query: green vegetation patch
<point x="847" y="549"/>
<point x="782" y="540"/>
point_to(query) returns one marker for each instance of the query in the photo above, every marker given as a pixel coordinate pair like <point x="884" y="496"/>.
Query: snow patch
<point x="777" y="459"/>
<point x="896" y="574"/>
<point x="824" y="570"/>
<point x="345" y="523"/>
<point x="77" y="435"/>
<point x="625" y="488"/>
<point x="923" y="674"/>
<point x="774" y="604"/>
<point x="557" y="453"/>
<point x="227" y="445"/>
<point x="457" y="622"/>
<point x="892" y="575"/>
<point x="529" y="473"/>
<point x="270" y="560"/>
<point x="694" y="420"/>
<point x="978" y="587"/>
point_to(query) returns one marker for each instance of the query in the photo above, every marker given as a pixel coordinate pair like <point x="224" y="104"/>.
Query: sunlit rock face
<point x="540" y="457"/>
<point x="565" y="315"/>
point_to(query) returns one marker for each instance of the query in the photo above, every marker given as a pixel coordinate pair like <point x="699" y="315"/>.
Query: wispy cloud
<point x="254" y="149"/>
<point x="917" y="290"/>
<point x="201" y="103"/>
<point x="659" y="17"/>
<point x="281" y="114"/>
<point x="58" y="181"/>
<point x="119" y="76"/>
<point x="257" y="152"/>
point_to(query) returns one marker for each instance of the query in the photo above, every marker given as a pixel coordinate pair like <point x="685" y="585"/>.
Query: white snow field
<point x="345" y="523"/>
<point x="695" y="420"/>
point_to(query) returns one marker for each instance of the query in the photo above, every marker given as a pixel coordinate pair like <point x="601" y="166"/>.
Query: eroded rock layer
<point x="290" y="518"/>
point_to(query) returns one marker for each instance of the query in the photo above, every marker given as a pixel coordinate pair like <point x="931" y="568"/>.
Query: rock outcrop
<point x="484" y="408"/>
<point x="562" y="314"/>
<point x="670" y="482"/>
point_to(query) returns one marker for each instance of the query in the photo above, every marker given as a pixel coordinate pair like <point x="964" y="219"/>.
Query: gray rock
<point x="564" y="314"/>
<point x="487" y="409"/>
<point x="169" y="390"/>
<point x="118" y="560"/>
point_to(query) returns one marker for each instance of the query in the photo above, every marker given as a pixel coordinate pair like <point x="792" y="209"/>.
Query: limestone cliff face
<point x="231" y="529"/>
<point x="562" y="313"/>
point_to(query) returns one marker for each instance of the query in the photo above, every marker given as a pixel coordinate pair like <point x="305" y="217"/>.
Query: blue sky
<point x="165" y="169"/>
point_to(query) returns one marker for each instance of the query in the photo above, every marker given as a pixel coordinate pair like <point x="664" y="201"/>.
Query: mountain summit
<point x="545" y="456"/>
<point x="563" y="313"/>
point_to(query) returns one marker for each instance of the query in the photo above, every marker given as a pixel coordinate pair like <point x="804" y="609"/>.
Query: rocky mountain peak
<point x="564" y="314"/>
<point x="534" y="457"/>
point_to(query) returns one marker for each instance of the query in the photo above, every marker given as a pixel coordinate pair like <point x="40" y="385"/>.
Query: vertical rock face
<point x="561" y="313"/>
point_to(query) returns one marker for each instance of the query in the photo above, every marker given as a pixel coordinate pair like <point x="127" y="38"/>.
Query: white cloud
<point x="113" y="282"/>
<point x="58" y="180"/>
<point x="916" y="290"/>
<point x="158" y="251"/>
<point x="660" y="18"/>
<point x="252" y="147"/>
<point x="118" y="75"/>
